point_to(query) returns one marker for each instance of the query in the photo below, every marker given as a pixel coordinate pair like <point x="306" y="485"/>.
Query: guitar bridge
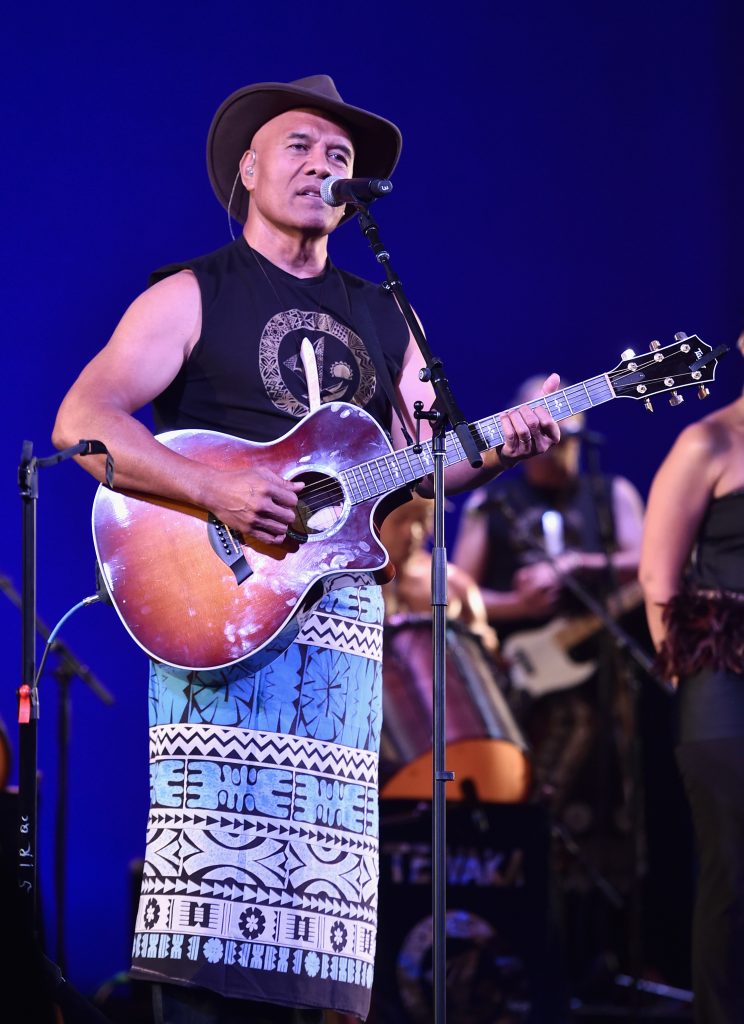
<point x="225" y="545"/>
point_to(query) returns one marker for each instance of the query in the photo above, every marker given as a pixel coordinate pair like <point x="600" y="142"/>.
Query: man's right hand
<point x="256" y="502"/>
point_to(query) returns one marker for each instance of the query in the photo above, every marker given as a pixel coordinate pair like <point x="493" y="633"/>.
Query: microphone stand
<point x="447" y="412"/>
<point x="28" y="719"/>
<point x="632" y="757"/>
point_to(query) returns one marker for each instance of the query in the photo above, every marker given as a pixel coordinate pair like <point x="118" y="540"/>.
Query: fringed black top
<point x="705" y="620"/>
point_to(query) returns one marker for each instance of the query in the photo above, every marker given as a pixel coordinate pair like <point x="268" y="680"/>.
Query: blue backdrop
<point x="570" y="186"/>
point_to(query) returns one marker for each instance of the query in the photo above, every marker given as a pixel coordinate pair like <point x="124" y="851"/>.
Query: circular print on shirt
<point x="345" y="371"/>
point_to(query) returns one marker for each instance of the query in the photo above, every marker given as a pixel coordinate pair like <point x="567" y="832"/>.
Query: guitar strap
<point x="310" y="363"/>
<point x="362" y="319"/>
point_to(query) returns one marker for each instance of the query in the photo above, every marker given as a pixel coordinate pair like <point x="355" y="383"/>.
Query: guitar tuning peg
<point x="627" y="353"/>
<point x="703" y="392"/>
<point x="654" y="345"/>
<point x="676" y="398"/>
<point x="681" y="336"/>
<point x="647" y="405"/>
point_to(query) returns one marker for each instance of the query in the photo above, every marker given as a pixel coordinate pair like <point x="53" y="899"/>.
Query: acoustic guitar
<point x="194" y="594"/>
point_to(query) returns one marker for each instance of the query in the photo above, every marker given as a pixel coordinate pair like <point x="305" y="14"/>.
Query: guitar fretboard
<point x="389" y="472"/>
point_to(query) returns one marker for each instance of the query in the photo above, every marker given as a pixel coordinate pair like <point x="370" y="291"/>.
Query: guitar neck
<point x="577" y="630"/>
<point x="383" y="475"/>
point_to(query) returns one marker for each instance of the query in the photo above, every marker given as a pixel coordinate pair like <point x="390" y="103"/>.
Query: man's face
<point x="294" y="152"/>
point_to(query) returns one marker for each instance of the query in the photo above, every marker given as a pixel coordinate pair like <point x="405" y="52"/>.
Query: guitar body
<point x="540" y="659"/>
<point x="539" y="663"/>
<point x="165" y="565"/>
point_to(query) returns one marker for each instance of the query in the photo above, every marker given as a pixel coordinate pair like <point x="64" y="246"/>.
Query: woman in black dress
<point x="692" y="572"/>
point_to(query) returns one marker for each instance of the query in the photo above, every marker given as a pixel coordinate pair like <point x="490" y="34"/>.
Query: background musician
<point x="523" y="540"/>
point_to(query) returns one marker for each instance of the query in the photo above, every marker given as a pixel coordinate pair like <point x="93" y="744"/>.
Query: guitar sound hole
<point x="320" y="506"/>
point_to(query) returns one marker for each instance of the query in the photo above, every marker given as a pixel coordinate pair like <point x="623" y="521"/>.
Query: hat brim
<point x="377" y="142"/>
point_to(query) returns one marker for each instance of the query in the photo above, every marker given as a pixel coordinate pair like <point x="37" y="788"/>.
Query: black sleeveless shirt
<point x="245" y="376"/>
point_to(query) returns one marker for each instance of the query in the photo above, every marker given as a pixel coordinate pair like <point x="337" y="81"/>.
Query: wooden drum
<point x="485" y="747"/>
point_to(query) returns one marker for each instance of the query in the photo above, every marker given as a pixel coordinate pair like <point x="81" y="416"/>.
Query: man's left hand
<point x="528" y="431"/>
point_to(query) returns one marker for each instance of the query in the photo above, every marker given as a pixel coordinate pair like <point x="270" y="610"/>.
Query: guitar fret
<point x="364" y="486"/>
<point x="375" y="467"/>
<point x="458" y="455"/>
<point x="420" y="471"/>
<point x="578" y="403"/>
<point x="350" y="485"/>
<point x="369" y="480"/>
<point x="394" y="470"/>
<point x="492" y="432"/>
<point x="388" y="478"/>
<point x="411" y="474"/>
<point x="605" y="389"/>
<point x="385" y="476"/>
<point x="554" y="404"/>
<point x="362" y="479"/>
<point x="354" y="478"/>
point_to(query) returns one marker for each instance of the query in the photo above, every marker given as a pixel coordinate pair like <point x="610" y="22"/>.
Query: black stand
<point x="64" y="674"/>
<point x="49" y="974"/>
<point x="68" y="667"/>
<point x="626" y="675"/>
<point x="447" y="412"/>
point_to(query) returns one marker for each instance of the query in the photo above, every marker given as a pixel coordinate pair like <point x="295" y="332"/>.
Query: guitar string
<point x="324" y="489"/>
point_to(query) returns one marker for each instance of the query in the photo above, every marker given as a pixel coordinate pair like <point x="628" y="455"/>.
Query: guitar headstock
<point x="686" y="362"/>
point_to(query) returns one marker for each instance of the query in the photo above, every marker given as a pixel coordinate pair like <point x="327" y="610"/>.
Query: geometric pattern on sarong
<point x="255" y="835"/>
<point x="338" y="633"/>
<point x="266" y="748"/>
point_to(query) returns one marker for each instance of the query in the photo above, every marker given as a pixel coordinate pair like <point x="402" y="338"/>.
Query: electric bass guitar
<point x="539" y="660"/>
<point x="194" y="594"/>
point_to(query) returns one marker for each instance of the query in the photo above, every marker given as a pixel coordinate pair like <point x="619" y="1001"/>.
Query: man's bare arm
<point x="148" y="348"/>
<point x="679" y="495"/>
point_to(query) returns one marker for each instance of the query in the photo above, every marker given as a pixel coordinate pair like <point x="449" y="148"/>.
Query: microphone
<point x="337" y="191"/>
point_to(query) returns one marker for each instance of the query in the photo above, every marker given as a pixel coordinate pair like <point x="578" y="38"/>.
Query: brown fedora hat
<point x="377" y="142"/>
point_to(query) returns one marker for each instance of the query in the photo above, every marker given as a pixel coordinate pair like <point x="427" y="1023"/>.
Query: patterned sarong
<point x="261" y="869"/>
